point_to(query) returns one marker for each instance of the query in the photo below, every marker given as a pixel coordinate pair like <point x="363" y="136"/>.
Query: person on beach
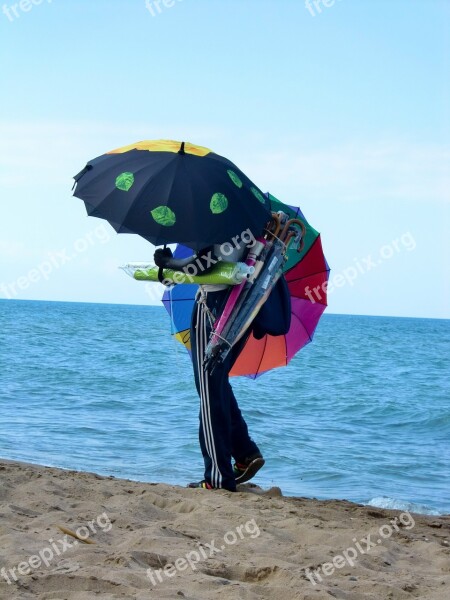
<point x="223" y="432"/>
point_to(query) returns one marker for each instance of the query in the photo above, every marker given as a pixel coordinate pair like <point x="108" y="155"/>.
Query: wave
<point x="395" y="504"/>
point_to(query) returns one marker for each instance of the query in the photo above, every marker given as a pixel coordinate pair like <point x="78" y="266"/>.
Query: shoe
<point x="204" y="485"/>
<point x="244" y="471"/>
<point x="201" y="484"/>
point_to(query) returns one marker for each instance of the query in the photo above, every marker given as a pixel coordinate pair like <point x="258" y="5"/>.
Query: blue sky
<point x="345" y="113"/>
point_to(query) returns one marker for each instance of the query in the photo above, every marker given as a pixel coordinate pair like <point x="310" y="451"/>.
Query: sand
<point x="143" y="540"/>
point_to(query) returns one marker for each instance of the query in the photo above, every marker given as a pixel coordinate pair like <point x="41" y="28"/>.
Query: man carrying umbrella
<point x="176" y="192"/>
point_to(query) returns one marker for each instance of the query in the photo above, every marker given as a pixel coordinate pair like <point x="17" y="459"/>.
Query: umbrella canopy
<point x="305" y="271"/>
<point x="172" y="192"/>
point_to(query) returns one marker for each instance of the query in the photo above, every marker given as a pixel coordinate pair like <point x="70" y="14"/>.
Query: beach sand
<point x="253" y="544"/>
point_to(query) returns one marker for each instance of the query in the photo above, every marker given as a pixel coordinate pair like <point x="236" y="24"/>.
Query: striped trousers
<point x="223" y="432"/>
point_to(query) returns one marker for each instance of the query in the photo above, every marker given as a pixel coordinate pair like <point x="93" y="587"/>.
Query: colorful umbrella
<point x="306" y="273"/>
<point x="169" y="192"/>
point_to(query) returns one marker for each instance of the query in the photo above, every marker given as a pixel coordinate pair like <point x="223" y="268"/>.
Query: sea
<point x="362" y="413"/>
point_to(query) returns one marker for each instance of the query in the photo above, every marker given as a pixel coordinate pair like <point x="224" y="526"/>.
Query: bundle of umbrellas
<point x="177" y="192"/>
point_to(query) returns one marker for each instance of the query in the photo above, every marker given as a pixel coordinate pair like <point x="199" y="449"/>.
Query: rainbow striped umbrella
<point x="306" y="273"/>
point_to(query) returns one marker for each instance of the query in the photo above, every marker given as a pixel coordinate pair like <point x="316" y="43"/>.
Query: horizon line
<point x="337" y="314"/>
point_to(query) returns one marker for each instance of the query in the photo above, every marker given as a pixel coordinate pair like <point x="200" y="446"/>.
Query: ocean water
<point x="362" y="413"/>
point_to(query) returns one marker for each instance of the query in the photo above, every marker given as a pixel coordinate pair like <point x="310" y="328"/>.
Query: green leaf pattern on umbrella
<point x="163" y="215"/>
<point x="258" y="195"/>
<point x="219" y="204"/>
<point x="125" y="181"/>
<point x="234" y="178"/>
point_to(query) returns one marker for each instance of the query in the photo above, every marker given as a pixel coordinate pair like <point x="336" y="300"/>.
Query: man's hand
<point x="162" y="256"/>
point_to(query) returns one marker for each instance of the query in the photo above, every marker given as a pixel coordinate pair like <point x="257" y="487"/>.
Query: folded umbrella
<point x="257" y="292"/>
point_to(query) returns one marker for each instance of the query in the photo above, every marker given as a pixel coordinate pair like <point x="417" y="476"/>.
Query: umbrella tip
<point x="181" y="150"/>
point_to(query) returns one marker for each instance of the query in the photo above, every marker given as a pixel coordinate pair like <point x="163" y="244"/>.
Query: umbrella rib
<point x="262" y="355"/>
<point x="177" y="166"/>
<point x="305" y="276"/>
<point x="302" y="324"/>
<point x="179" y="300"/>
